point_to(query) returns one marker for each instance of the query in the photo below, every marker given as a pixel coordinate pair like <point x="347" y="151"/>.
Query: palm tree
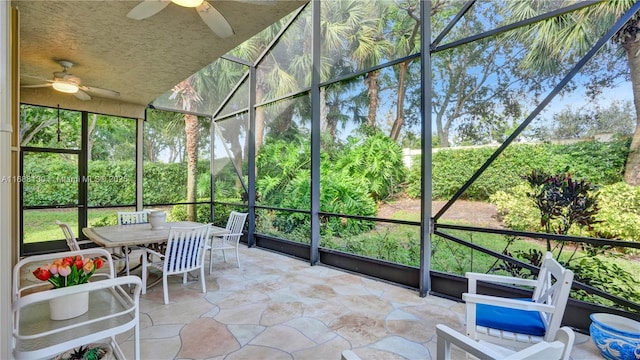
<point x="568" y="37"/>
<point x="187" y="98"/>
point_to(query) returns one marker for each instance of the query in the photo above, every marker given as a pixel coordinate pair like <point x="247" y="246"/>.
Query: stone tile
<point x="402" y="347"/>
<point x="284" y="338"/>
<point x="206" y="338"/>
<point x="283" y="295"/>
<point x="244" y="314"/>
<point x="162" y="331"/>
<point x="331" y="349"/>
<point x="359" y="329"/>
<point x="584" y="348"/>
<point x="157" y="349"/>
<point x="259" y="352"/>
<point x="244" y="297"/>
<point x="245" y="333"/>
<point x="411" y="329"/>
<point x="326" y="311"/>
<point x="377" y="354"/>
<point x="369" y="304"/>
<point x="277" y="313"/>
<point x="179" y="313"/>
<point x="320" y="291"/>
<point x="313" y="329"/>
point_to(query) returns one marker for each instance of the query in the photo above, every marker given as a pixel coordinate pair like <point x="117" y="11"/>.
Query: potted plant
<point x="89" y="352"/>
<point x="65" y="272"/>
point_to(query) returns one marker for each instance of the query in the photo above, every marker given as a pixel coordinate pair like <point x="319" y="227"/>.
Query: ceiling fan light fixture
<point x="65" y="87"/>
<point x="188" y="3"/>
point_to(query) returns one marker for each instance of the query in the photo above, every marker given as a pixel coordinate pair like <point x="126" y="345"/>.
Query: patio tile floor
<point x="277" y="307"/>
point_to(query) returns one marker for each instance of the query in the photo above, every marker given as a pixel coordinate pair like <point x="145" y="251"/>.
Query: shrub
<point x="596" y="162"/>
<point x="560" y="203"/>
<point x="339" y="193"/>
<point x="619" y="216"/>
<point x="517" y="210"/>
<point x="203" y="212"/>
<point x="379" y="160"/>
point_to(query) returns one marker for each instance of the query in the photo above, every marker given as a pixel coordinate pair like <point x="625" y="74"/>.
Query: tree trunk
<point x="259" y="129"/>
<point x="397" y="124"/>
<point x="323" y="109"/>
<point x="191" y="130"/>
<point x="374" y="98"/>
<point x="92" y="129"/>
<point x="444" y="137"/>
<point x="632" y="168"/>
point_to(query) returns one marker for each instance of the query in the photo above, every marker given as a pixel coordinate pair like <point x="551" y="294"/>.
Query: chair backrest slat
<point x="185" y="248"/>
<point x="554" y="285"/>
<point x="236" y="222"/>
<point x="133" y="217"/>
<point x="72" y="243"/>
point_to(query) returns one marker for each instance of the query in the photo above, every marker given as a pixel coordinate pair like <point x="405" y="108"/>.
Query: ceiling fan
<point x="210" y="15"/>
<point x="65" y="82"/>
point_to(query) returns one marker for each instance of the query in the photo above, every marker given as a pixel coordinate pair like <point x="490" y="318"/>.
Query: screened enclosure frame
<point x="429" y="223"/>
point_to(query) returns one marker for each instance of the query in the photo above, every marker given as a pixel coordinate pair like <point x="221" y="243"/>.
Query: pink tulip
<point x="53" y="269"/>
<point x="64" y="270"/>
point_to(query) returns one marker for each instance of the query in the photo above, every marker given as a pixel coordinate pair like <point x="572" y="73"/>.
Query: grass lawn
<point x="40" y="225"/>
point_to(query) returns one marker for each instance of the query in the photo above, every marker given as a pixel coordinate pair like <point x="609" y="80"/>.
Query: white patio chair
<point x="560" y="349"/>
<point x="229" y="241"/>
<point x="72" y="242"/>
<point x="73" y="245"/>
<point x="183" y="254"/>
<point x="130" y="218"/>
<point x="133" y="217"/>
<point x="519" y="323"/>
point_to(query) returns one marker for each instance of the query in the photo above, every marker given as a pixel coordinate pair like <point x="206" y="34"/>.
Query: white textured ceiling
<point x="140" y="59"/>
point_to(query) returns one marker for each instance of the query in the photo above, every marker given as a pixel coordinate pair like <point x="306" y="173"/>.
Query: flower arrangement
<point x="68" y="271"/>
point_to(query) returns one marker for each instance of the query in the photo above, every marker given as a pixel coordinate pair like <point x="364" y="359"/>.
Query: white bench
<point x="113" y="309"/>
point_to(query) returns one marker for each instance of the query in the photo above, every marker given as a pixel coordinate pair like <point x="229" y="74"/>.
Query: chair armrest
<point x="473" y="278"/>
<point x="228" y="235"/>
<point x="507" y="303"/>
<point x="152" y="252"/>
<point x="447" y="336"/>
<point x="541" y="350"/>
<point x="481" y="350"/>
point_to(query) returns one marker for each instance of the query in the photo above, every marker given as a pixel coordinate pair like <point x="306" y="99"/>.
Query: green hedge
<point x="53" y="181"/>
<point x="600" y="163"/>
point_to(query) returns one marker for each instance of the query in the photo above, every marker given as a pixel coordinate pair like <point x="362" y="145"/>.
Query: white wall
<point x="5" y="186"/>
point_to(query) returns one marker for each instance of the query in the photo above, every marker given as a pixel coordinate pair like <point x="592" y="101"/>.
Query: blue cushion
<point x="514" y="320"/>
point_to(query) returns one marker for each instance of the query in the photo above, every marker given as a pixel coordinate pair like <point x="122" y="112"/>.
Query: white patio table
<point x="118" y="236"/>
<point x="125" y="236"/>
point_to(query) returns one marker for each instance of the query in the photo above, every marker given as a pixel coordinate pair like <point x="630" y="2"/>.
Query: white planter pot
<point x="69" y="306"/>
<point x="157" y="219"/>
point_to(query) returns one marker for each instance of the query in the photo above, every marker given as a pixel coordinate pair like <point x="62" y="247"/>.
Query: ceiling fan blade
<point x="100" y="92"/>
<point x="35" y="77"/>
<point x="147" y="8"/>
<point x="82" y="95"/>
<point x="36" y="86"/>
<point x="214" y="20"/>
